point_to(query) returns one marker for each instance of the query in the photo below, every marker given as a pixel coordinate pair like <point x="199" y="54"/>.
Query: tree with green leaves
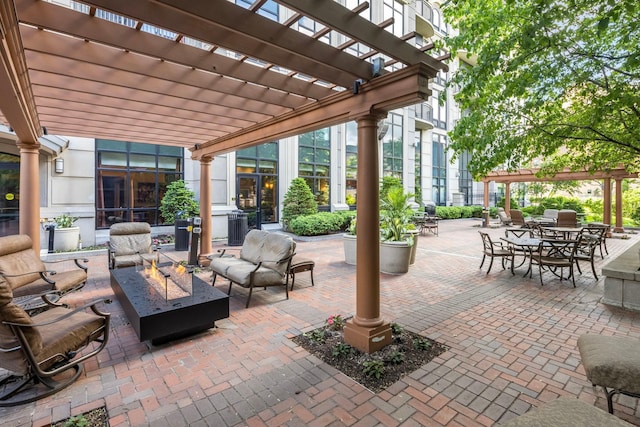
<point x="555" y="80"/>
<point x="298" y="201"/>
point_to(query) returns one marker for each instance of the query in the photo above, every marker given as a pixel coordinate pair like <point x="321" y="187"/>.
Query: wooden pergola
<point x="212" y="77"/>
<point x="531" y="175"/>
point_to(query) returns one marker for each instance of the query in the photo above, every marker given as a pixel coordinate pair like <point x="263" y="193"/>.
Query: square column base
<point x="367" y="340"/>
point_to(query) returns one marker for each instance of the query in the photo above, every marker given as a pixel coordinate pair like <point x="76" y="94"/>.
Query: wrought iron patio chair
<point x="493" y="250"/>
<point x="586" y="249"/>
<point x="554" y="255"/>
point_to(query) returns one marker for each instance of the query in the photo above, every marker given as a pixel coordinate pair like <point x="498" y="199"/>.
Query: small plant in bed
<point x="376" y="371"/>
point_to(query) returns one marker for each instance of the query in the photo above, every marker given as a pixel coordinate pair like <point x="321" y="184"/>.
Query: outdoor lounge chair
<point x="504" y="218"/>
<point x="44" y="353"/>
<point x="130" y="244"/>
<point x="517" y="218"/>
<point x="27" y="274"/>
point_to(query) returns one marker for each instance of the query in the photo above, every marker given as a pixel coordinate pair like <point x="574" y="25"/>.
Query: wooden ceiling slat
<point x="125" y="122"/>
<point x="45" y="15"/>
<point x="124" y="94"/>
<point x="48" y="46"/>
<point x="225" y="24"/>
<point x="138" y="82"/>
<point x="121" y="127"/>
<point x="64" y="98"/>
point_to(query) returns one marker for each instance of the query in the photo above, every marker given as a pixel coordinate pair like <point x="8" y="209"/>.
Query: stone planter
<point x="415" y="234"/>
<point x="66" y="239"/>
<point x="395" y="257"/>
<point x="349" y="241"/>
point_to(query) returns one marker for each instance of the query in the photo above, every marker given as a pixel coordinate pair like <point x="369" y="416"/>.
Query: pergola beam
<point x="399" y="89"/>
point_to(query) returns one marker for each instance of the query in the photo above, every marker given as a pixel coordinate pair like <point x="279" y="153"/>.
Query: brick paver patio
<point x="512" y="346"/>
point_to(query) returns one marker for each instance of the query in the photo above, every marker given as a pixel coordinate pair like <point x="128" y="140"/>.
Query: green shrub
<point x="298" y="201"/>
<point x="317" y="224"/>
<point x="178" y="202"/>
<point x="387" y="183"/>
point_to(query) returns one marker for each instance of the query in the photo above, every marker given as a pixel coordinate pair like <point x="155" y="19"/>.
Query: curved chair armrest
<point x="91" y="305"/>
<point x="50" y="298"/>
<point x="75" y="260"/>
<point x="222" y="252"/>
<point x="41" y="273"/>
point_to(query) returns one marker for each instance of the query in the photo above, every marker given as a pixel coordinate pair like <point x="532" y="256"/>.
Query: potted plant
<point x="349" y="241"/>
<point x="395" y="224"/>
<point x="67" y="235"/>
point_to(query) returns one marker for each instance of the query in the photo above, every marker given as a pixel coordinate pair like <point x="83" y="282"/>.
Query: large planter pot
<point x="349" y="241"/>
<point x="66" y="239"/>
<point x="415" y="234"/>
<point x="395" y="257"/>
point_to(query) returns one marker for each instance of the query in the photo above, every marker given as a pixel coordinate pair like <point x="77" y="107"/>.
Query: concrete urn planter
<point x="349" y="242"/>
<point x="66" y="239"/>
<point x="395" y="257"/>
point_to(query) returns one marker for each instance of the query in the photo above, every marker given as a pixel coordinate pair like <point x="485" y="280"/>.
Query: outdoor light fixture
<point x="59" y="165"/>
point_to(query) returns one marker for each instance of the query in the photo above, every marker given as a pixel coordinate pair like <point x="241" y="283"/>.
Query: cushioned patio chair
<point x="611" y="363"/>
<point x="493" y="250"/>
<point x="44" y="353"/>
<point x="264" y="260"/>
<point x="130" y="244"/>
<point x="27" y="274"/>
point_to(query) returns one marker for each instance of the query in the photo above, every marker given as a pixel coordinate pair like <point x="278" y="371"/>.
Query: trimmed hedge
<point x="321" y="223"/>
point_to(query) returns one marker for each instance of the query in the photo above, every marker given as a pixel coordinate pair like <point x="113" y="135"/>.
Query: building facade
<point x="105" y="181"/>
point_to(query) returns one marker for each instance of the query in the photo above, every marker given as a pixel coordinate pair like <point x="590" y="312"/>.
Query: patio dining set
<point x="555" y="249"/>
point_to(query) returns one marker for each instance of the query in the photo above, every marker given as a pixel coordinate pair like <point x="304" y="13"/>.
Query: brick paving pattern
<point x="512" y="347"/>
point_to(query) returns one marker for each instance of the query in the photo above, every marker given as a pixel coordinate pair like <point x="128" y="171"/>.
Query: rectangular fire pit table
<point x="159" y="320"/>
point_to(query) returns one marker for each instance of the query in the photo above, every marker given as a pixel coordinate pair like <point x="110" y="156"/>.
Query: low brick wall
<point x="622" y="280"/>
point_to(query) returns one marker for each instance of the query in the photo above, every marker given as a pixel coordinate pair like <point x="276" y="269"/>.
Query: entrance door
<point x="257" y="196"/>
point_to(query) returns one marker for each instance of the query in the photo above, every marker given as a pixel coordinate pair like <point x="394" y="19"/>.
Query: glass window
<point x="314" y="163"/>
<point x="131" y="179"/>
<point x="392" y="143"/>
<point x="394" y="9"/>
<point x="439" y="169"/>
<point x="9" y="194"/>
<point x="351" y="164"/>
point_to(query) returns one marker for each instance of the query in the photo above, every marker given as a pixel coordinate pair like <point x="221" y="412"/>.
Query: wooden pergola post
<point x="29" y="210"/>
<point x="507" y="197"/>
<point x="205" y="206"/>
<point x="606" y="201"/>
<point x="367" y="331"/>
<point x="618" y="228"/>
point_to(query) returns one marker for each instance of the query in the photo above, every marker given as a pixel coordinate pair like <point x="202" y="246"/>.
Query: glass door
<point x="257" y="197"/>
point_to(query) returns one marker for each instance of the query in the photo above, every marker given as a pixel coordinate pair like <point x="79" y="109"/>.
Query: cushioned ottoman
<point x="612" y="362"/>
<point x="566" y="412"/>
